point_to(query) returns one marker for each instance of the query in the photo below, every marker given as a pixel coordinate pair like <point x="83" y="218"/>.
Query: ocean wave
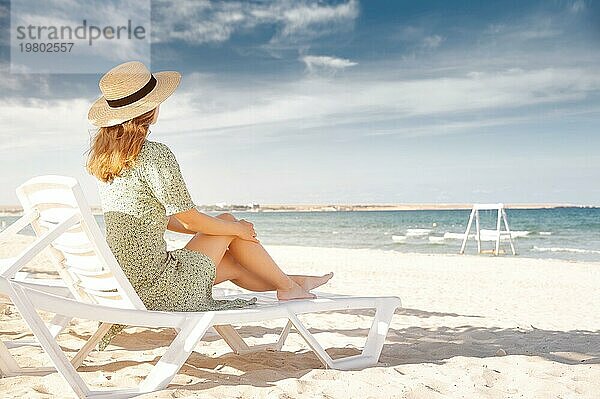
<point x="514" y="234"/>
<point x="545" y="233"/>
<point x="398" y="238"/>
<point x="561" y="249"/>
<point x="417" y="232"/>
<point x="436" y="240"/>
<point x="487" y="235"/>
<point x="517" y="233"/>
<point x="455" y="236"/>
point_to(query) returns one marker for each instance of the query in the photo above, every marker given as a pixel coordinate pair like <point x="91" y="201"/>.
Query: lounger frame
<point x="99" y="290"/>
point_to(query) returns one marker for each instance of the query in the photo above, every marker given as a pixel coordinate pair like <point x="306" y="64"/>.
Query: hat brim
<point x="103" y="115"/>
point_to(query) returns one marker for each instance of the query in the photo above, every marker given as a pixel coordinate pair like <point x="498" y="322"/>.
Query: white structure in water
<point x="488" y="235"/>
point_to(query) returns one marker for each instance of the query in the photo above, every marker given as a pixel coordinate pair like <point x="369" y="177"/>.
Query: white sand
<point x="458" y="312"/>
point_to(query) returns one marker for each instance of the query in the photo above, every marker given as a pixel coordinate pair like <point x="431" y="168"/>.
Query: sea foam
<point x="487" y="235"/>
<point x="417" y="232"/>
<point x="561" y="249"/>
<point x="398" y="238"/>
<point x="436" y="240"/>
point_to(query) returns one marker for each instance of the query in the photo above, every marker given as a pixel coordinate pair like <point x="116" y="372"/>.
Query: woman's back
<point x="135" y="207"/>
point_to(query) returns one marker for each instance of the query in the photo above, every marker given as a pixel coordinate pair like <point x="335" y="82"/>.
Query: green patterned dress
<point x="136" y="206"/>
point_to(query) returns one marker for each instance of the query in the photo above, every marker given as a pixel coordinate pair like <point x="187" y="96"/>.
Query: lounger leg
<point x="239" y="346"/>
<point x="46" y="340"/>
<point x="191" y="331"/>
<point x="10" y="368"/>
<point x="232" y="338"/>
<point x="8" y="365"/>
<point x="311" y="341"/>
<point x="378" y="332"/>
<point x="90" y="345"/>
<point x="178" y="352"/>
<point x="373" y="345"/>
<point x="58" y="323"/>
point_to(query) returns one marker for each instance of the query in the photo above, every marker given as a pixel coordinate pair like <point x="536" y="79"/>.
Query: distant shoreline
<point x="11" y="210"/>
<point x="402" y="207"/>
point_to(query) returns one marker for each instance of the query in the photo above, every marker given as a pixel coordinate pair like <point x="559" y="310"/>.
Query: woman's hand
<point x="246" y="230"/>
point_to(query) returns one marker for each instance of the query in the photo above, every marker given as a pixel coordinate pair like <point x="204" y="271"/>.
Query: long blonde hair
<point x="115" y="148"/>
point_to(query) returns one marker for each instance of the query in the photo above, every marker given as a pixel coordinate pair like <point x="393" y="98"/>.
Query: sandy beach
<point x="470" y="327"/>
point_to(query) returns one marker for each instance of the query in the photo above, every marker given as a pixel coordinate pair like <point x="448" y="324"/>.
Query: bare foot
<point x="296" y="292"/>
<point x="312" y="282"/>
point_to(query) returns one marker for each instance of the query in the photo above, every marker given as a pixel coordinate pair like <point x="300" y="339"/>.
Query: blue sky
<point x="346" y="102"/>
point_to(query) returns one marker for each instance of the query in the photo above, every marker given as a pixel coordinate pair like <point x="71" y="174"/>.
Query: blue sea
<point x="561" y="233"/>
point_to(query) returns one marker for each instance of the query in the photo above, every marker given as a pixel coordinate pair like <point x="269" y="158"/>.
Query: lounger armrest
<point x="41" y="300"/>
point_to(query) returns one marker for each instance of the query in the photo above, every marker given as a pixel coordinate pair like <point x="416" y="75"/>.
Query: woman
<point x="143" y="193"/>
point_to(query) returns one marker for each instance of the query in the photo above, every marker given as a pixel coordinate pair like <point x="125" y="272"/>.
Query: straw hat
<point x="130" y="90"/>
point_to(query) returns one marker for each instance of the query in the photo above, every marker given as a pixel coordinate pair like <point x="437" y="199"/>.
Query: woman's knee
<point x="226" y="216"/>
<point x="213" y="246"/>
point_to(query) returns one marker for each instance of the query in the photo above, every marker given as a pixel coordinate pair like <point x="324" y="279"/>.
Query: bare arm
<point x="196" y="221"/>
<point x="175" y="225"/>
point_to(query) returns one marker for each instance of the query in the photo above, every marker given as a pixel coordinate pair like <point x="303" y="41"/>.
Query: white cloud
<point x="410" y="33"/>
<point x="214" y="22"/>
<point x="206" y="107"/>
<point x="15" y="82"/>
<point x="308" y="16"/>
<point x="528" y="28"/>
<point x="433" y="41"/>
<point x="43" y="125"/>
<point x="83" y="57"/>
<point x="329" y="64"/>
<point x="577" y="6"/>
<point x="435" y="127"/>
<point x="445" y="82"/>
<point x="500" y="80"/>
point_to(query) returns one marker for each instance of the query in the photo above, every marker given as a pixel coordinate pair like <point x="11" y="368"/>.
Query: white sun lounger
<point x="99" y="290"/>
<point x="8" y="365"/>
<point x="10" y="267"/>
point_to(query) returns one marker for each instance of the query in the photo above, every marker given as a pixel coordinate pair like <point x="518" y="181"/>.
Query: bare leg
<point x="230" y="270"/>
<point x="255" y="259"/>
<point x="311" y="282"/>
<point x="234" y="269"/>
<point x="306" y="282"/>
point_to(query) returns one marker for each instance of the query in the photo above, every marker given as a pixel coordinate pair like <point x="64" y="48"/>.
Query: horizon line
<point x="352" y="206"/>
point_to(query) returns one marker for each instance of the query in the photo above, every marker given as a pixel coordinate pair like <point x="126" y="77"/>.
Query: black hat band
<point x="138" y="95"/>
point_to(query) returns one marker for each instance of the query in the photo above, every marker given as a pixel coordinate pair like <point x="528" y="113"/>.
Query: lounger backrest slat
<point x="81" y="254"/>
<point x="104" y="282"/>
<point x="74" y="240"/>
<point x="71" y="248"/>
<point x="50" y="193"/>
<point x="87" y="261"/>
